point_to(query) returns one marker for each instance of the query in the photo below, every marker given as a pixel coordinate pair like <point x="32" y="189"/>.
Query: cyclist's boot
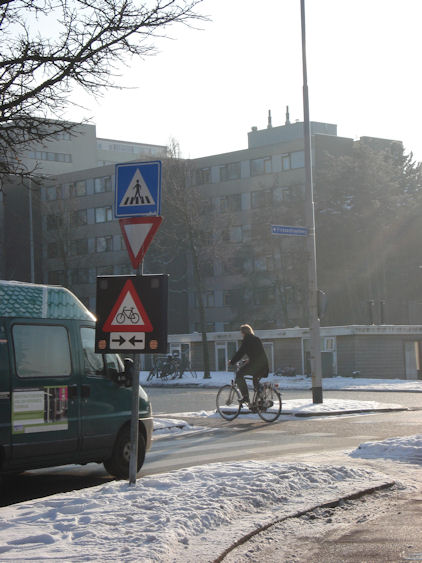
<point x="244" y="401"/>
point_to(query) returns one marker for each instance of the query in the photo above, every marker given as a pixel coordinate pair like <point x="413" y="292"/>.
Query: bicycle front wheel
<point x="269" y="404"/>
<point x="228" y="402"/>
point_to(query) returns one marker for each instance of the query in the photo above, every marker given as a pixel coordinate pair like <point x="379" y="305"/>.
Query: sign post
<point x="132" y="310"/>
<point x="314" y="322"/>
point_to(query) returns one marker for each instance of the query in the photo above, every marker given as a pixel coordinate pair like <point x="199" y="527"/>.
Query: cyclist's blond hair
<point x="246" y="329"/>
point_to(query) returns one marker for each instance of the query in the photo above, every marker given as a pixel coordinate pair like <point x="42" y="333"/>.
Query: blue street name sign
<point x="137" y="189"/>
<point x="289" y="231"/>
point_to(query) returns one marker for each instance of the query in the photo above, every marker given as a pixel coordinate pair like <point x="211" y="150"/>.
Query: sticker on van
<point x="39" y="410"/>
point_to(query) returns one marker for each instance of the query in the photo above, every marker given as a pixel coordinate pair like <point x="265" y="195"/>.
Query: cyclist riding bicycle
<point x="257" y="364"/>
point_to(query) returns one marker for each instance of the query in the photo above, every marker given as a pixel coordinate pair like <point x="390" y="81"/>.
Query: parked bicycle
<point x="285" y="371"/>
<point x="266" y="401"/>
<point x="170" y="367"/>
<point x="185" y="365"/>
<point x="161" y="368"/>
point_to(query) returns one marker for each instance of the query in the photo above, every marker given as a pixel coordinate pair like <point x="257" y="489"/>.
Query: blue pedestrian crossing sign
<point x="138" y="189"/>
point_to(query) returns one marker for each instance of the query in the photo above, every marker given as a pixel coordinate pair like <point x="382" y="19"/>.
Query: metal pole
<point x="314" y="324"/>
<point x="134" y="428"/>
<point x="134" y="424"/>
<point x="31" y="234"/>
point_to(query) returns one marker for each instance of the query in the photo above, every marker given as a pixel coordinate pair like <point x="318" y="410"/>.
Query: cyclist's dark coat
<point x="258" y="363"/>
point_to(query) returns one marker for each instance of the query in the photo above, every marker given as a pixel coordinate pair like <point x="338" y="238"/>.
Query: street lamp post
<point x="314" y="324"/>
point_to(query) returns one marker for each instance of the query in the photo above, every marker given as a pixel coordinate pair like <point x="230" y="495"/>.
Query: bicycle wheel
<point x="193" y="373"/>
<point x="269" y="404"/>
<point x="151" y="374"/>
<point x="120" y="319"/>
<point x="228" y="402"/>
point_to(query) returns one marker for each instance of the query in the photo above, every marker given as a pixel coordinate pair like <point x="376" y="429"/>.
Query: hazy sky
<point x="207" y="88"/>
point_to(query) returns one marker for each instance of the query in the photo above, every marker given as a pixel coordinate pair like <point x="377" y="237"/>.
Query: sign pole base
<point x="134" y="426"/>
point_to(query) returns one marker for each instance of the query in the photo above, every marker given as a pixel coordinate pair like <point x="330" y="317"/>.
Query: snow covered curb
<point x="169" y="424"/>
<point x="173" y="516"/>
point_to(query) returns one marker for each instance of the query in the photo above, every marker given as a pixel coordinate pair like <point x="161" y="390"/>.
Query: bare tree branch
<point x="50" y="46"/>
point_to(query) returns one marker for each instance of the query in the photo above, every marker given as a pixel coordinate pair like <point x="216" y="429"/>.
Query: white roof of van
<point x="20" y="299"/>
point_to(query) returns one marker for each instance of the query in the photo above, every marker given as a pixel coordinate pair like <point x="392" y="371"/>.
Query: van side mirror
<point x="122" y="378"/>
<point x="129" y="372"/>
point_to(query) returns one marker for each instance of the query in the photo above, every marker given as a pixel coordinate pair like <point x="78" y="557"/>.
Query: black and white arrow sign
<point x="120" y="340"/>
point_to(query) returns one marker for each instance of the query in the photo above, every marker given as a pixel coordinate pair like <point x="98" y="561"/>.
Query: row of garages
<point x="371" y="351"/>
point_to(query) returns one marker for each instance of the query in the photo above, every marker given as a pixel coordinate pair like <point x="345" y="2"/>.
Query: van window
<point x="93" y="363"/>
<point x="113" y="361"/>
<point x="41" y="350"/>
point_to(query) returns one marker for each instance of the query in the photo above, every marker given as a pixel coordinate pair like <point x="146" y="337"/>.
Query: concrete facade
<point x="376" y="351"/>
<point x="80" y="149"/>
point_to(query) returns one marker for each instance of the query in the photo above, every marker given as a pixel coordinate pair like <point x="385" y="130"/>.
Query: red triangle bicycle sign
<point x="128" y="314"/>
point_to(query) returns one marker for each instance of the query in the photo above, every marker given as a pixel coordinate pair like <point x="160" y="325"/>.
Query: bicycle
<point x="129" y="314"/>
<point x="185" y="365"/>
<point x="160" y="368"/>
<point x="266" y="401"/>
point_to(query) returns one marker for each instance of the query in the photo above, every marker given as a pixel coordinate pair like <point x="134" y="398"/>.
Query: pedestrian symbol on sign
<point x="137" y="192"/>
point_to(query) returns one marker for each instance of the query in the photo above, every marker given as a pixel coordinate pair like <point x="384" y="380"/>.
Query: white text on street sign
<point x="289" y="230"/>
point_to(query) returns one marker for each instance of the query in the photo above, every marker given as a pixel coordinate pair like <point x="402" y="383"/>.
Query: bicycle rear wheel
<point x="269" y="404"/>
<point x="228" y="402"/>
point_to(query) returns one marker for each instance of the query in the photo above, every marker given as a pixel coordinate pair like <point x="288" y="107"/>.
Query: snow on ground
<point x="193" y="514"/>
<point x="168" y="515"/>
<point x="291" y="407"/>
<point x="182" y="515"/>
<point x="297" y="382"/>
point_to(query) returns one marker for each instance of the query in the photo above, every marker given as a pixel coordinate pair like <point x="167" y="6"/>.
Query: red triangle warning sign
<point x="128" y="313"/>
<point x="138" y="233"/>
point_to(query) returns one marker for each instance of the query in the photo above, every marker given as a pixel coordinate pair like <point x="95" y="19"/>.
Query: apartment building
<point x="261" y="276"/>
<point x="81" y="149"/>
<point x="22" y="237"/>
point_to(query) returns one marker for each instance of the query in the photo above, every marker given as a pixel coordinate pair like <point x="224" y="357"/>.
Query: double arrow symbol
<point x="127" y="341"/>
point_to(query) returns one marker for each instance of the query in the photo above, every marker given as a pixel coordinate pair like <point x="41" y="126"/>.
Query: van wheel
<point x="118" y="464"/>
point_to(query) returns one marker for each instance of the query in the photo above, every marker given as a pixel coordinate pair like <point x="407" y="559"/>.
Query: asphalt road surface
<point x="241" y="439"/>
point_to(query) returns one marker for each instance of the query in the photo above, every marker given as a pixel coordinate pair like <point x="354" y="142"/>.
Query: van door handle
<point x="85" y="391"/>
<point x="73" y="392"/>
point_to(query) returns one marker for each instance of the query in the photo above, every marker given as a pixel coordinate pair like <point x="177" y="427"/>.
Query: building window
<point x="261" y="198"/>
<point x="202" y="176"/>
<point x="126" y="269"/>
<point x="78" y="247"/>
<point x="56" y="277"/>
<point x="234" y="202"/>
<point x="50" y="156"/>
<point x="53" y="193"/>
<point x="104" y="244"/>
<point x="236" y="234"/>
<point x="230" y="171"/>
<point x="281" y="194"/>
<point x="209" y="299"/>
<point x="79" y="275"/>
<point x="222" y="204"/>
<point x="261" y="166"/>
<point x="105" y="271"/>
<point x="54" y="222"/>
<point x="285" y="162"/>
<point x="207" y="268"/>
<point x="102" y="184"/>
<point x="263" y="296"/>
<point x="52" y="250"/>
<point x="78" y="189"/>
<point x="103" y="214"/>
<point x="78" y="218"/>
<point x="297" y="159"/>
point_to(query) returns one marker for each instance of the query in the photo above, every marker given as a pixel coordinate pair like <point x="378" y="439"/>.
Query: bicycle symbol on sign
<point x="128" y="314"/>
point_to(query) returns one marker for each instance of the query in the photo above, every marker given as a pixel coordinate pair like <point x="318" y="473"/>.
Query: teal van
<point x="60" y="402"/>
